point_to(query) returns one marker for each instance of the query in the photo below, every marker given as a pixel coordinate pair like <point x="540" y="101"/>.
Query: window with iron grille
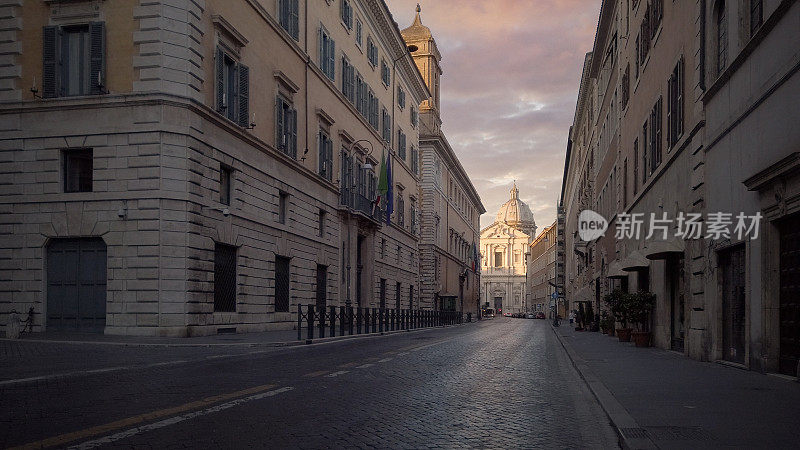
<point x="224" y="278"/>
<point x="383" y="293"/>
<point x="322" y="286"/>
<point x="401" y="144"/>
<point x="385" y="75"/>
<point x="225" y="176"/>
<point x="285" y="127"/>
<point x="675" y="105"/>
<point x="325" y="152"/>
<point x="372" y="52"/>
<point x="327" y="53"/>
<point x="346" y="10"/>
<point x="282" y="274"/>
<point x="288" y="12"/>
<point x="233" y="88"/>
<point x="78" y="167"/>
<point x="283" y="206"/>
<point x="74" y="60"/>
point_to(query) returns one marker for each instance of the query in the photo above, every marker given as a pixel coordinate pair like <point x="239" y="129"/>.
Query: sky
<point x="511" y="70"/>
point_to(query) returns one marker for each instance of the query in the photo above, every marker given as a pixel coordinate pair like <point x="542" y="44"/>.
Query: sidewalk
<point x="657" y="398"/>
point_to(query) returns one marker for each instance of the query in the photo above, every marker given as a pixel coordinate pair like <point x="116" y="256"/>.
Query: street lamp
<point x="367" y="166"/>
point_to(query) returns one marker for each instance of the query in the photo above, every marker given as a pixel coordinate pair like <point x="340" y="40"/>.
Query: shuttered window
<point x="288" y="12"/>
<point x="414" y="117"/>
<point x="348" y="80"/>
<point x="233" y="88"/>
<point x="655" y="135"/>
<point x="414" y="160"/>
<point x="285" y="127"/>
<point x="327" y="52"/>
<point x="74" y="60"/>
<point x="385" y="75"/>
<point x="325" y="148"/>
<point x="401" y="144"/>
<point x="346" y="10"/>
<point x="387" y="125"/>
<point x="675" y="105"/>
<point x="401" y="97"/>
<point x="373" y="109"/>
<point x="372" y="52"/>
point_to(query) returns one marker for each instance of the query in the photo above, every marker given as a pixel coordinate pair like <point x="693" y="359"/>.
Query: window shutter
<point x="244" y="95"/>
<point x="293" y="131"/>
<point x="321" y="44"/>
<point x="293" y="19"/>
<point x="220" y="80"/>
<point x="321" y="153"/>
<point x="332" y="59"/>
<point x="279" y="121"/>
<point x="51" y="67"/>
<point x="97" y="58"/>
<point x="329" y="159"/>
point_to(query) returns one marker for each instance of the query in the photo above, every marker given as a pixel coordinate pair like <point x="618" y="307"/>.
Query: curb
<point x="631" y="435"/>
<point x="276" y="344"/>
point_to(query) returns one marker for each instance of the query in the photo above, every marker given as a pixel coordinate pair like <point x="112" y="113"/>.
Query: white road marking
<point x="385" y="360"/>
<point x="91" y="372"/>
<point x="364" y="366"/>
<point x="402" y="353"/>
<point x="336" y="374"/>
<point x="177" y="419"/>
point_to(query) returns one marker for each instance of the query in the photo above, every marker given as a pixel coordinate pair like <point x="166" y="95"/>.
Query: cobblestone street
<point x="499" y="383"/>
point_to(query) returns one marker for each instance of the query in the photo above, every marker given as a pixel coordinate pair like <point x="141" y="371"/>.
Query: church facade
<point x="504" y="245"/>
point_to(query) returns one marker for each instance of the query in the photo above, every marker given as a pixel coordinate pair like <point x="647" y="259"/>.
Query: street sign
<point x="553" y="295"/>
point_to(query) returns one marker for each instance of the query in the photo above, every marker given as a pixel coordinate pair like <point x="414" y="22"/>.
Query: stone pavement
<point x="659" y="398"/>
<point x="503" y="383"/>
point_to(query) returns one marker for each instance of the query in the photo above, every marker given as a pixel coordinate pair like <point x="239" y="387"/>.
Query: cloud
<point x="511" y="70"/>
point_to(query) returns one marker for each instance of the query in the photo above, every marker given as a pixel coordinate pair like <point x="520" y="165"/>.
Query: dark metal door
<point x="733" y="304"/>
<point x="498" y="304"/>
<point x="675" y="268"/>
<point x="76" y="285"/>
<point x="322" y="284"/>
<point x="789" y="321"/>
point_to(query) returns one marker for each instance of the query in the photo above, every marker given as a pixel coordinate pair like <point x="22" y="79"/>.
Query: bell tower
<point x="427" y="58"/>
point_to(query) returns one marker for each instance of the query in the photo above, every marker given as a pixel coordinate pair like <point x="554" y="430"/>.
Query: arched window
<point x="722" y="36"/>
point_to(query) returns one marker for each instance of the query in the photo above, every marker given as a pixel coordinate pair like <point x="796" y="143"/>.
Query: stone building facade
<point x="541" y="272"/>
<point x="451" y="207"/>
<point x="684" y="110"/>
<point x="504" y="245"/>
<point x="189" y="167"/>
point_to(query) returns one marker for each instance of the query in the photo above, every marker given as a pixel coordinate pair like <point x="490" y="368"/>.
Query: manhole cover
<point x="678" y="434"/>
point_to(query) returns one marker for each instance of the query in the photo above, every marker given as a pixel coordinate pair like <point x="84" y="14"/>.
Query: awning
<point x="663" y="249"/>
<point x="635" y="261"/>
<point x="615" y="270"/>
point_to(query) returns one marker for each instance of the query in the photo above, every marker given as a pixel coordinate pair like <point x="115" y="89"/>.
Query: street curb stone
<point x="617" y="414"/>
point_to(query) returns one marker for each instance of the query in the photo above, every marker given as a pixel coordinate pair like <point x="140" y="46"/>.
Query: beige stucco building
<point x="450" y="207"/>
<point x="541" y="271"/>
<point x="504" y="245"/>
<point x="190" y="167"/>
<point x="685" y="108"/>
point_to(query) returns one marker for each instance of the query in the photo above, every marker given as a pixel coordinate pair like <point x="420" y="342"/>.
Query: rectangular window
<point x="411" y="296"/>
<point x="348" y="80"/>
<point x="224" y="278"/>
<point x="401" y="97"/>
<point x="346" y="10"/>
<point x="383" y="248"/>
<point x="372" y="52"/>
<point x="638" y="53"/>
<point x="225" y="175"/>
<point x="327" y="54"/>
<point x="359" y="33"/>
<point x="74" y="60"/>
<point x="233" y="88"/>
<point x="374" y="111"/>
<point x="399" y="253"/>
<point x="383" y="293"/>
<point x="283" y="206"/>
<point x="361" y="96"/>
<point x="414" y="160"/>
<point x="401" y="209"/>
<point x="645" y="167"/>
<point x="756" y="15"/>
<point x="397" y="296"/>
<point x="387" y="126"/>
<point x="498" y="259"/>
<point x="385" y="75"/>
<point x="625" y="184"/>
<point x="655" y="135"/>
<point x="78" y="167"/>
<point x="322" y="286"/>
<point x="321" y="223"/>
<point x="325" y="148"/>
<point x="288" y="17"/>
<point x="626" y="86"/>
<point x="413" y="214"/>
<point x="282" y="274"/>
<point x="675" y="105"/>
<point x="401" y="144"/>
<point x="414" y="117"/>
<point x="722" y="38"/>
<point x="285" y="127"/>
<point x="635" y="165"/>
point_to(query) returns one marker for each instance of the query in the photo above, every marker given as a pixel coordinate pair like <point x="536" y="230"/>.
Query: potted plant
<point x="640" y="305"/>
<point x="617" y="302"/>
<point x="607" y="323"/>
<point x="591" y="319"/>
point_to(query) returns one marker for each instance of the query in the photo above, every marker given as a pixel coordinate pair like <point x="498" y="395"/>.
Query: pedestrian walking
<point x="571" y="317"/>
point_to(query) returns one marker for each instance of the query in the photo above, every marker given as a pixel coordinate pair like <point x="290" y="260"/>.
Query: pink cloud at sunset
<point x="509" y="87"/>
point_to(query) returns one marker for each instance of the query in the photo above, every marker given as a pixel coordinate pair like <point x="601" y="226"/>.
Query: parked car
<point x="540" y="315"/>
<point x="506" y="314"/>
<point x="488" y="313"/>
<point x="530" y="316"/>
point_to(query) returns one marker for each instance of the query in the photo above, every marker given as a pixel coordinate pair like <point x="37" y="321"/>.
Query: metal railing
<point x="349" y="320"/>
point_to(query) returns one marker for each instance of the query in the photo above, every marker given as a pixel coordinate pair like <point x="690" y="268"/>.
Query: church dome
<point x="516" y="213"/>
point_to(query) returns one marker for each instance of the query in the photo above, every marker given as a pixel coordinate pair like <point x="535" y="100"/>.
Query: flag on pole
<point x="474" y="257"/>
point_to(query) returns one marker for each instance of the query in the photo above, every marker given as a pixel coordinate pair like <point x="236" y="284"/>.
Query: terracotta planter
<point x="641" y="338"/>
<point x="624" y="334"/>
